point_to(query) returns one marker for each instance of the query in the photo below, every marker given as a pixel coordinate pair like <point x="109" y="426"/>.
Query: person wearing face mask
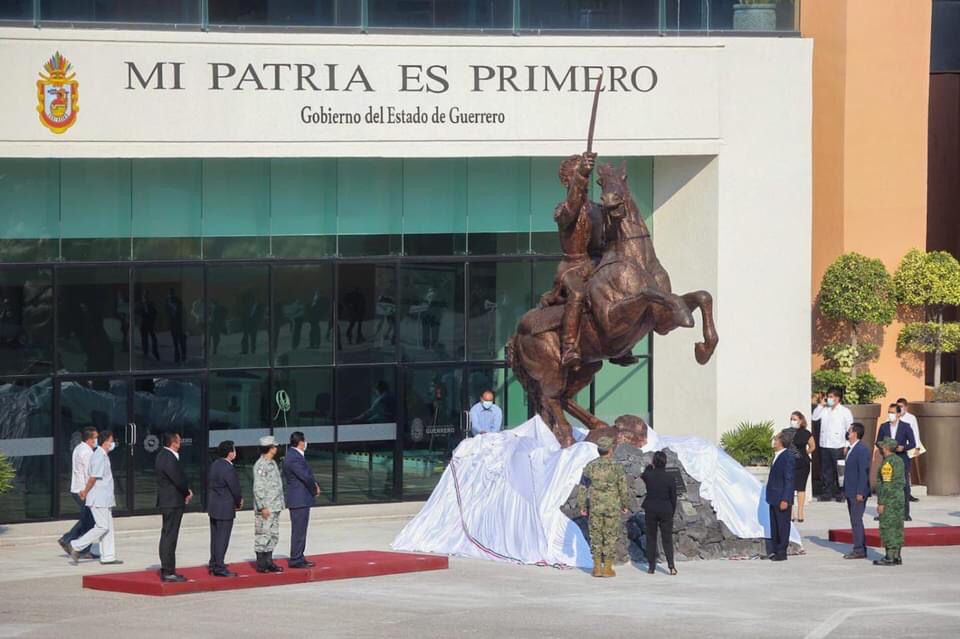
<point x="906" y="417"/>
<point x="302" y="487"/>
<point x="80" y="466"/>
<point x="903" y="434"/>
<point x="803" y="446"/>
<point x="835" y="420"/>
<point x="485" y="416"/>
<point x="98" y="496"/>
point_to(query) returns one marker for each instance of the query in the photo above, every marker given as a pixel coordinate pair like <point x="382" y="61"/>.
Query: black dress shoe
<point x="223" y="573"/>
<point x="908" y="518"/>
<point x="778" y="558"/>
<point x="912" y="498"/>
<point x="173" y="578"/>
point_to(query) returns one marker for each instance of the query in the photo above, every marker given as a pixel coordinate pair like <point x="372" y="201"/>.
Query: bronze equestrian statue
<point x="601" y="312"/>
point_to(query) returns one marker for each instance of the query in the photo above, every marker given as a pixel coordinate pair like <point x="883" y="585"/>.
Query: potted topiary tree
<point x="755" y="15"/>
<point x="751" y="444"/>
<point x="930" y="282"/>
<point x="856" y="292"/>
<point x="7" y="474"/>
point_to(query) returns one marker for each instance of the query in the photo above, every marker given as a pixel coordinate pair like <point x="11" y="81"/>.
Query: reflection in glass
<point x="499" y="295"/>
<point x="590" y="14"/>
<point x="157" y="11"/>
<point x="451" y="14"/>
<point x="166" y="404"/>
<point x="93" y="319"/>
<point x="321" y="13"/>
<point x="238" y="406"/>
<point x="26" y="320"/>
<point x="435" y="424"/>
<point x="367" y="311"/>
<point x="29" y="207"/>
<point x="239" y="316"/>
<point x="101" y="403"/>
<point x="26" y="429"/>
<point x="303" y="315"/>
<point x="366" y="433"/>
<point x="95" y="219"/>
<point x="166" y="208"/>
<point x="169" y="317"/>
<point x="431" y="313"/>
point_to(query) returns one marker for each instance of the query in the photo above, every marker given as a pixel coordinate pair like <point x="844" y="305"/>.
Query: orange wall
<point x="871" y="68"/>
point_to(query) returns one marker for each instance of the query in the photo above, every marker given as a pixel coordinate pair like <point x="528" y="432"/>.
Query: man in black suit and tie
<point x="780" y="487"/>
<point x="856" y="486"/>
<point x="906" y="441"/>
<point x="223" y="500"/>
<point x="302" y="487"/>
<point x="173" y="495"/>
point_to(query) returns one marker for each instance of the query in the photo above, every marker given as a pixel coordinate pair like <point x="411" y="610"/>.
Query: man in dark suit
<point x="223" y="500"/>
<point x="173" y="495"/>
<point x="780" y="487"/>
<point x="856" y="487"/>
<point x="302" y="487"/>
<point x="906" y="441"/>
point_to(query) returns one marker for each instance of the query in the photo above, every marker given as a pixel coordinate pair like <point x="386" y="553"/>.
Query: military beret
<point x="268" y="440"/>
<point x="605" y="443"/>
<point x="890" y="443"/>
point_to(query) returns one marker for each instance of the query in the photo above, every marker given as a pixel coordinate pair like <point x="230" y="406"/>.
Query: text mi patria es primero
<point x="434" y="79"/>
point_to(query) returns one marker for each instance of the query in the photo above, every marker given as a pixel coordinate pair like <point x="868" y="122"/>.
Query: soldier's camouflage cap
<point x="268" y="440"/>
<point x="605" y="443"/>
<point x="890" y="443"/>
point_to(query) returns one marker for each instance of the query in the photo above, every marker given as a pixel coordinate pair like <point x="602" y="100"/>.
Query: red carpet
<point x="926" y="536"/>
<point x="338" y="565"/>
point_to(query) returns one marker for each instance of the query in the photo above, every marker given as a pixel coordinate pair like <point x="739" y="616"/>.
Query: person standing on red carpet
<point x="99" y="498"/>
<point x="224" y="499"/>
<point x="856" y="486"/>
<point x="173" y="495"/>
<point x="302" y="487"/>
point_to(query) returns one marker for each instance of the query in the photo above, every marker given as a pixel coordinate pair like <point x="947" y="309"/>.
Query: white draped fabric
<point x="500" y="497"/>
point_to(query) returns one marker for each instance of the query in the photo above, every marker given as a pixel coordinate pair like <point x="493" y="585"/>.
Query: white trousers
<point x="102" y="533"/>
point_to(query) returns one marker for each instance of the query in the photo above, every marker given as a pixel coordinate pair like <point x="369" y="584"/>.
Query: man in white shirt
<point x="909" y="418"/>
<point x="835" y="420"/>
<point x="99" y="497"/>
<point x="80" y="462"/>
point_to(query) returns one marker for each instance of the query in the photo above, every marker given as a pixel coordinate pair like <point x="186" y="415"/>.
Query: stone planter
<point x="755" y="17"/>
<point x="940" y="433"/>
<point x="867" y="414"/>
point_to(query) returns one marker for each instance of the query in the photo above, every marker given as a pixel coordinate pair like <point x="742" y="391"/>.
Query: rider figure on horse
<point x="574" y="221"/>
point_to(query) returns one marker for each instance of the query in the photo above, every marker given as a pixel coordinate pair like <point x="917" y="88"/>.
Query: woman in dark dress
<point x="804" y="445"/>
<point x="658" y="509"/>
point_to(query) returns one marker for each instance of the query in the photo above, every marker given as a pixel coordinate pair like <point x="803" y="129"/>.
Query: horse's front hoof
<point x="702" y="352"/>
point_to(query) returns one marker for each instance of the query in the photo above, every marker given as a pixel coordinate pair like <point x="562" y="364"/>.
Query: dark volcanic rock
<point x="697" y="533"/>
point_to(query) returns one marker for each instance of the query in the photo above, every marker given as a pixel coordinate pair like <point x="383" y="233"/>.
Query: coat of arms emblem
<point x="57" y="94"/>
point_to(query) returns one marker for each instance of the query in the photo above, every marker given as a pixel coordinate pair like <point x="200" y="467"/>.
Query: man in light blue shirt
<point x="485" y="416"/>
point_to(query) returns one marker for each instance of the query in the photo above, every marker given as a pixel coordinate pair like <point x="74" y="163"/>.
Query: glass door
<point x="434" y="423"/>
<point x="104" y="403"/>
<point x="163" y="404"/>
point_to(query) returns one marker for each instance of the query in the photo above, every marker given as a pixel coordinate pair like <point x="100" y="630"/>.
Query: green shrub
<point x="865" y="389"/>
<point x="949" y="392"/>
<point x="7" y="473"/>
<point x="826" y="378"/>
<point x="749" y="443"/>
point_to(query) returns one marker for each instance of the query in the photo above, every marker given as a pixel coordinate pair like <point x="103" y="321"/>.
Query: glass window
<point x="236" y="207"/>
<point x="434" y="425"/>
<point x="239" y="313"/>
<point x="16" y="9"/>
<point x="26" y="438"/>
<point x="95" y="216"/>
<point x="310" y="392"/>
<point x="457" y="14"/>
<point x="431" y="312"/>
<point x="369" y="206"/>
<point x="158" y="11"/>
<point x="26" y="320"/>
<point x="518" y="405"/>
<point x="621" y="390"/>
<point x="100" y="402"/>
<point x="303" y="315"/>
<point x="93" y="319"/>
<point x="167" y="199"/>
<point x="499" y="295"/>
<point x="498" y="205"/>
<point x="733" y="14"/>
<point x="366" y="433"/>
<point x="435" y="206"/>
<point x="303" y="207"/>
<point x="367" y="313"/>
<point x="286" y="12"/>
<point x="29" y="209"/>
<point x="546" y="192"/>
<point x="591" y="14"/>
<point x="169" y="316"/>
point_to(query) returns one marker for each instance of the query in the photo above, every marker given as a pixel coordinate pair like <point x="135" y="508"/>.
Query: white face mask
<point x="486" y="403"/>
<point x="95" y="441"/>
<point x="794" y="423"/>
<point x="304" y="446"/>
<point x="891" y="417"/>
<point x="110" y="447"/>
<point x="831" y="401"/>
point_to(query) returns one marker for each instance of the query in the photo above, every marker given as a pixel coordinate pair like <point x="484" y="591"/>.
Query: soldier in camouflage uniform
<point x="890" y="505"/>
<point x="602" y="495"/>
<point x="267" y="504"/>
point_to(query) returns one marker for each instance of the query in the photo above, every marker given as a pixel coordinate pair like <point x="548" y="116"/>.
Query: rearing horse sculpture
<point x="628" y="295"/>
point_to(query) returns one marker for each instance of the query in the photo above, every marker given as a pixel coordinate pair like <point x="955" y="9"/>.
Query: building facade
<point x="315" y="223"/>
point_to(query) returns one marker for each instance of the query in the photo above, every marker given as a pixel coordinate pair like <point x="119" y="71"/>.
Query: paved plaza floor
<point x="815" y="595"/>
